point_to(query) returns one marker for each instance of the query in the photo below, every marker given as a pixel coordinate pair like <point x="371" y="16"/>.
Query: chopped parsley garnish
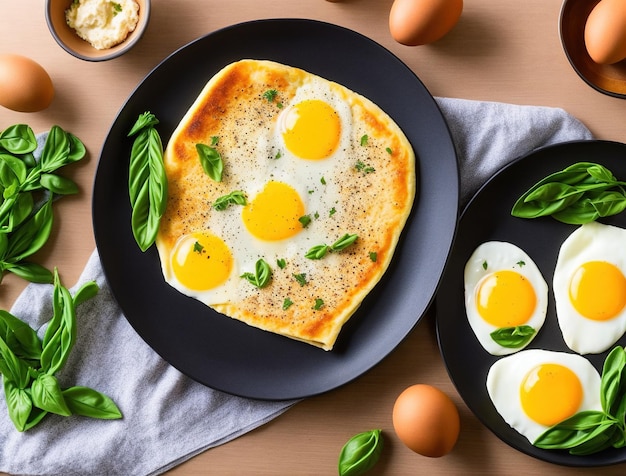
<point x="287" y="304"/>
<point x="281" y="263"/>
<point x="117" y="8"/>
<point x="198" y="248"/>
<point x="484" y="265"/>
<point x="305" y="220"/>
<point x="521" y="263"/>
<point x="215" y="140"/>
<point x="332" y="212"/>
<point x="389" y="151"/>
<point x="364" y="168"/>
<point x="301" y="278"/>
<point x="318" y="304"/>
<point x="278" y="155"/>
<point x="373" y="256"/>
<point x="364" y="139"/>
<point x="323" y="181"/>
<point x="270" y="94"/>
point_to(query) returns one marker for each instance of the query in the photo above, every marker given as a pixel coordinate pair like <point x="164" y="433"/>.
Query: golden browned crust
<point x="374" y="205"/>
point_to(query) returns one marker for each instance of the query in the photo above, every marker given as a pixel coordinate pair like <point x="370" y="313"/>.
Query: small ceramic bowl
<point x="67" y="38"/>
<point x="608" y="79"/>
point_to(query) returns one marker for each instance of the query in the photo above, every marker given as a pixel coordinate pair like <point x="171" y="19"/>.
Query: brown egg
<point x="418" y="22"/>
<point x="426" y="420"/>
<point x="605" y="32"/>
<point x="24" y="85"/>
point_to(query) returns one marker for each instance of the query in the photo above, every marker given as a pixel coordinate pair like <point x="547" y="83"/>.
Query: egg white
<point x="590" y="242"/>
<point x="319" y="184"/>
<point x="486" y="259"/>
<point x="506" y="375"/>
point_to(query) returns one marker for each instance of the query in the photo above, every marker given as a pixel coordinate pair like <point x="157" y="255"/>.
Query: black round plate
<point x="226" y="354"/>
<point x="488" y="217"/>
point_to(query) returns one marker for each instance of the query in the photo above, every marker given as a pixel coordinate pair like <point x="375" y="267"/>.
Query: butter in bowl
<point x="97" y="30"/>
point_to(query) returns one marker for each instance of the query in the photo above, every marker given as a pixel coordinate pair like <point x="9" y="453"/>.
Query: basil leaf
<point x="317" y="252"/>
<point x="611" y="382"/>
<point x="343" y="242"/>
<point x="553" y="191"/>
<point x="91" y="403"/>
<point x="236" y="197"/>
<point x="77" y="149"/>
<point x="145" y="120"/>
<point x="572" y="431"/>
<point x="36" y="415"/>
<point x="85" y="292"/>
<point x="19" y="404"/>
<point x="599" y="439"/>
<point x="12" y="367"/>
<point x="31" y="235"/>
<point x="262" y="274"/>
<point x="211" y="161"/>
<point x="8" y="180"/>
<point x="27" y="344"/>
<point x="600" y="173"/>
<point x="609" y="203"/>
<point x="15" y="165"/>
<point x="360" y="453"/>
<point x="57" y="184"/>
<point x="55" y="151"/>
<point x="47" y="395"/>
<point x="32" y="272"/>
<point x="147" y="183"/>
<point x="578" y="194"/>
<point x="18" y="139"/>
<point x="21" y="208"/>
<point x="513" y="337"/>
<point x="60" y="335"/>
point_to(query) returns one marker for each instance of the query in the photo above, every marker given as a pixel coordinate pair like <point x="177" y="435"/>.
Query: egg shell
<point x="419" y="22"/>
<point x="25" y="86"/>
<point x="426" y="420"/>
<point x="605" y="32"/>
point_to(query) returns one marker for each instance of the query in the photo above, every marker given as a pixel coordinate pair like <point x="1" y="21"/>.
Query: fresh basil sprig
<point x="578" y="194"/>
<point x="591" y="431"/>
<point x="27" y="189"/>
<point x="28" y="365"/>
<point x="513" y="337"/>
<point x="360" y="453"/>
<point x="147" y="182"/>
<point x="261" y="276"/>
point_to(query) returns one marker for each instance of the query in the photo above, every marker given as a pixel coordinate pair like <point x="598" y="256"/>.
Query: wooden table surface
<point x="506" y="51"/>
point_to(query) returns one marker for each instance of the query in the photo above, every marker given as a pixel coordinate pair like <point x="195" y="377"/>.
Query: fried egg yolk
<point x="550" y="393"/>
<point x="505" y="299"/>
<point x="201" y="261"/>
<point x="274" y="214"/>
<point x="311" y="129"/>
<point x="598" y="290"/>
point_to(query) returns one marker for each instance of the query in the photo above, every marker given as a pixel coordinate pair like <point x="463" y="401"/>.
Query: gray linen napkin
<point x="168" y="418"/>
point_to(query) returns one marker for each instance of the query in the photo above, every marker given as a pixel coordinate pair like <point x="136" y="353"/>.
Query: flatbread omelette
<point x="287" y="195"/>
